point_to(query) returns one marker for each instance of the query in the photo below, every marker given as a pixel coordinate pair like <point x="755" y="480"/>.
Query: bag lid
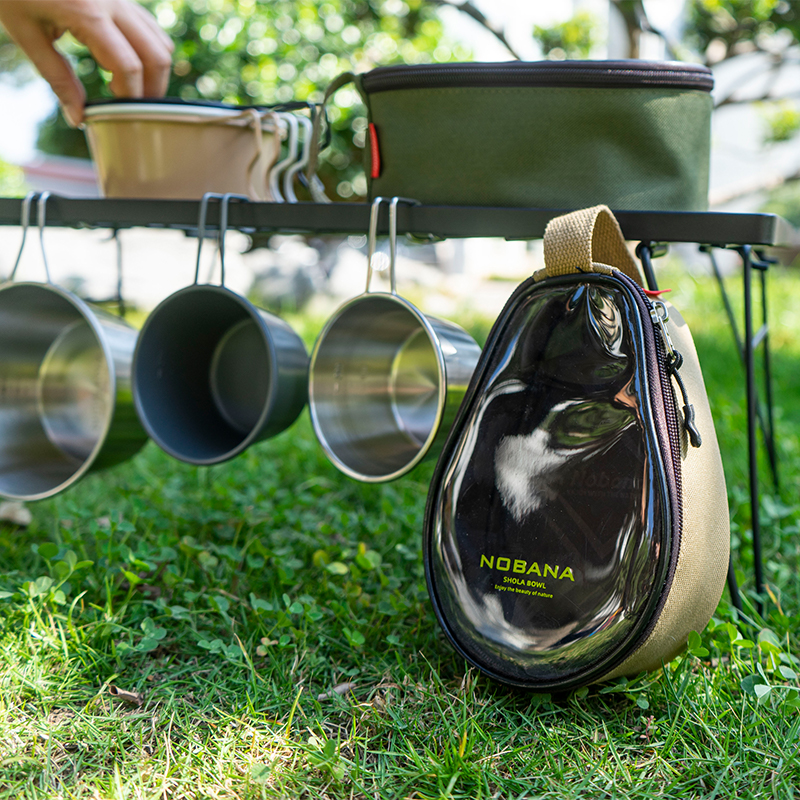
<point x="630" y="73"/>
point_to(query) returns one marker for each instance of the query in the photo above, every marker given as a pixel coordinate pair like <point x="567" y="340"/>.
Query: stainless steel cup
<point x="213" y="374"/>
<point x="65" y="399"/>
<point x="385" y="380"/>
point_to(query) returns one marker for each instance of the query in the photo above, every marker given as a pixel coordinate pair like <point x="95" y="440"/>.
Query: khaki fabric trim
<point x="705" y="539"/>
<point x="574" y="242"/>
<point x="588" y="241"/>
<point x="604" y="269"/>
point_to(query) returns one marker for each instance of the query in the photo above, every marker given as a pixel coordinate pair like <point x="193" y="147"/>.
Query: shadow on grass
<point x="273" y="616"/>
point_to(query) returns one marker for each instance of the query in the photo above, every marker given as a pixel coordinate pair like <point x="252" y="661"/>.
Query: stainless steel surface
<point x="384" y="384"/>
<point x="385" y="381"/>
<point x="74" y="390"/>
<point x="213" y="374"/>
<point x="294" y="169"/>
<point x="549" y="531"/>
<point x="65" y="401"/>
<point x="291" y="123"/>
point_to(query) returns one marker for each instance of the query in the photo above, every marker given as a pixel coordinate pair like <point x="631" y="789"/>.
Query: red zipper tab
<point x="374" y="152"/>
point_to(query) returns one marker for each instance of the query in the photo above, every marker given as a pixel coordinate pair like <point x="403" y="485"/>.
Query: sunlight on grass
<point x="261" y="629"/>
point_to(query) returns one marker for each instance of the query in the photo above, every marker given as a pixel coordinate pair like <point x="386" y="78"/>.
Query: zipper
<point x="668" y="361"/>
<point x="673" y="362"/>
<point x="632" y="74"/>
<point x="657" y="368"/>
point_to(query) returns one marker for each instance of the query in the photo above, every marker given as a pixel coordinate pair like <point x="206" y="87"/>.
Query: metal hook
<point x="290" y="120"/>
<point x="41" y="210"/>
<point x="25" y="220"/>
<point x="373" y="236"/>
<point x="298" y="166"/>
<point x="223" y="228"/>
<point x="224" y="202"/>
<point x="201" y="229"/>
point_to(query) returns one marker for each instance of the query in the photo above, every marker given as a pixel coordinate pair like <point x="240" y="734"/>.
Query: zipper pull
<point x="660" y="314"/>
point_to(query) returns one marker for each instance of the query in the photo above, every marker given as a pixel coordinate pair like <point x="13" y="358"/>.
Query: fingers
<point x="126" y="41"/>
<point x="149" y="21"/>
<point x="153" y="47"/>
<point x="52" y="66"/>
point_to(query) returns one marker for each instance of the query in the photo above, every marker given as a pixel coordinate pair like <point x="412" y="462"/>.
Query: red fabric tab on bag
<point x="655" y="292"/>
<point x="374" y="151"/>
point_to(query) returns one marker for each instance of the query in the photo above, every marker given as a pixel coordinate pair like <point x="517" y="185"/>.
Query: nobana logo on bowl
<point x="522" y="567"/>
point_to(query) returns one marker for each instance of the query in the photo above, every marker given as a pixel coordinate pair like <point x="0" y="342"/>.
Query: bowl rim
<point x="172" y="106"/>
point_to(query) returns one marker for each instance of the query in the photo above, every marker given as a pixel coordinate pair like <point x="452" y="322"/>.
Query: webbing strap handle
<point x="589" y="240"/>
<point x="319" y="117"/>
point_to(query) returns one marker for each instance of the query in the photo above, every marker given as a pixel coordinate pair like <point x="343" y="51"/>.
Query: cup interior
<point x="203" y="374"/>
<point x="377" y="387"/>
<point x="56" y="391"/>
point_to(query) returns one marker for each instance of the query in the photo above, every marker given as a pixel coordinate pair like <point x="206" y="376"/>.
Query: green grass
<point x="231" y="601"/>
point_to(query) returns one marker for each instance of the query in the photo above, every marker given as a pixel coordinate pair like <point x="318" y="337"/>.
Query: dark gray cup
<point x="213" y="374"/>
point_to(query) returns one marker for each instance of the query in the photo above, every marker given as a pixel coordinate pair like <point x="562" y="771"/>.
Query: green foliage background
<point x="741" y="25"/>
<point x="573" y="38"/>
<point x="12" y="180"/>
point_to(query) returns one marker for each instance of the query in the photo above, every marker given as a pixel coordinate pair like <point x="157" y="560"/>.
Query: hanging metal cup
<point x="65" y="399"/>
<point x="386" y="380"/>
<point x="213" y="374"/>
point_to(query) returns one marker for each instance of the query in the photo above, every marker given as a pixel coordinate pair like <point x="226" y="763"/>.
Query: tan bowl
<point x="179" y="150"/>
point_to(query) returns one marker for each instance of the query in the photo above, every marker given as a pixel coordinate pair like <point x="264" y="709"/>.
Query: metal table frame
<point x="749" y="234"/>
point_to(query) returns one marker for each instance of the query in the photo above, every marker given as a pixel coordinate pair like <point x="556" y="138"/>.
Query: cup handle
<point x="372" y="241"/>
<point x="224" y="202"/>
<point x="25" y="219"/>
<point x="373" y="235"/>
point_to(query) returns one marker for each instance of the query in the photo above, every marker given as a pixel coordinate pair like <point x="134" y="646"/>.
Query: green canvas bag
<point x="634" y="135"/>
<point x="577" y="521"/>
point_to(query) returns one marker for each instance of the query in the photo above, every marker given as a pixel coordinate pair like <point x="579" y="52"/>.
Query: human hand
<point x="122" y="37"/>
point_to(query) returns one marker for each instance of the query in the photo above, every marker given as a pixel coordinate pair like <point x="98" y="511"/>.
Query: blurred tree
<point x="274" y="51"/>
<point x="785" y="201"/>
<point x="720" y="29"/>
<point x="12" y="180"/>
<point x="573" y="38"/>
